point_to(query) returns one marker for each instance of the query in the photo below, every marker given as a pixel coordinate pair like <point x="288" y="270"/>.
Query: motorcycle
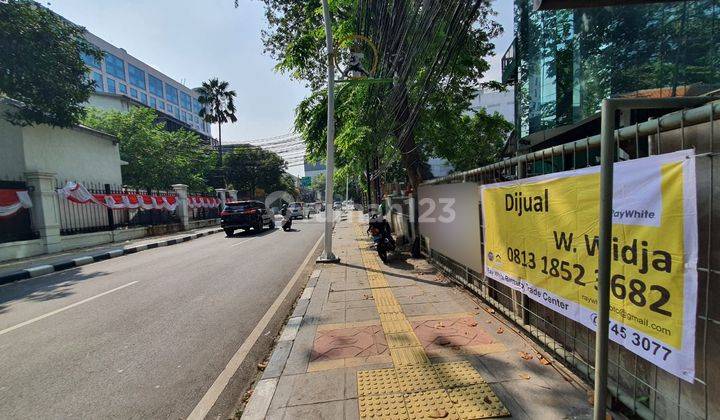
<point x="379" y="230"/>
<point x="287" y="223"/>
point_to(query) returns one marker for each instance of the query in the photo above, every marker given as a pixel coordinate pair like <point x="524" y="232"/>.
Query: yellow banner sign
<point x="541" y="238"/>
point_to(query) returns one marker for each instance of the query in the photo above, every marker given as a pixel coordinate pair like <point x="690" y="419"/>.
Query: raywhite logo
<point x="637" y="195"/>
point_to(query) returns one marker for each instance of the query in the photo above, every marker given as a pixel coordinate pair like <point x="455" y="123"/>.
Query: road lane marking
<point x="242" y="242"/>
<point x="213" y="393"/>
<point x="65" y="308"/>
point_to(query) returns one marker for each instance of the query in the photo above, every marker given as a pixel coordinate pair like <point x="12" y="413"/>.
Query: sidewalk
<point x="368" y="340"/>
<point x="103" y="251"/>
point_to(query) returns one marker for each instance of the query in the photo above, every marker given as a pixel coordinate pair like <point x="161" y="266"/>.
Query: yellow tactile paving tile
<point x="392" y="316"/>
<point x="430" y="405"/>
<point x="390" y="309"/>
<point x="396" y="326"/>
<point x="408" y="356"/>
<point x="417" y="378"/>
<point x="383" y="407"/>
<point x="477" y="402"/>
<point x="458" y="374"/>
<point x="377" y="382"/>
<point x="403" y="339"/>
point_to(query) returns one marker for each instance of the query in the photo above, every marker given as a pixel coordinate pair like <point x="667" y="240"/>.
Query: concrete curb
<point x="264" y="389"/>
<point x="93" y="258"/>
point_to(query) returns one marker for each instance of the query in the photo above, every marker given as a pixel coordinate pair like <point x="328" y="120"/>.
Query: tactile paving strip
<point x="393" y="316"/>
<point x="430" y="404"/>
<point x="457" y="374"/>
<point x="403" y="339"/>
<point x="477" y="402"/>
<point x="378" y="382"/>
<point x="396" y="326"/>
<point x="383" y="407"/>
<point x="414" y="388"/>
<point x="417" y="378"/>
<point x="408" y="356"/>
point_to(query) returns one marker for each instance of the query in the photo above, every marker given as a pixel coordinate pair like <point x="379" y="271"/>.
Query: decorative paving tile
<point x="377" y="382"/>
<point x="383" y="407"/>
<point x="457" y="374"/>
<point x="417" y="378"/>
<point x="348" y="342"/>
<point x="430" y="404"/>
<point x="438" y="334"/>
<point x="477" y="402"/>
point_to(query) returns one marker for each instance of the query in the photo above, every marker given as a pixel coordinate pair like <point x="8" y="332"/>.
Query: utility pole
<point x="327" y="255"/>
<point x="347" y="185"/>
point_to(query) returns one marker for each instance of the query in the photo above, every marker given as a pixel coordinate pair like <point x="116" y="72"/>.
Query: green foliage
<point x="218" y="107"/>
<point x="318" y="183"/>
<point x="250" y="167"/>
<point x="423" y="112"/>
<point x="156" y="158"/>
<point x="468" y="141"/>
<point x="41" y="65"/>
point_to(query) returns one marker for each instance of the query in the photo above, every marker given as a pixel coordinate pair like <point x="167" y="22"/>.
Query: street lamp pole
<point x="327" y="255"/>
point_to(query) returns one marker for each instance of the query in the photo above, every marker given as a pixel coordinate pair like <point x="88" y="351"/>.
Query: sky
<point x="194" y="40"/>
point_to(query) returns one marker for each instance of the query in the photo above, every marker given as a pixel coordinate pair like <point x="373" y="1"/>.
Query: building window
<point x="169" y="108"/>
<point x="156" y="86"/>
<point x="90" y="60"/>
<point x="97" y="77"/>
<point x="133" y="93"/>
<point x="122" y="88"/>
<point x="177" y="112"/>
<point x="114" y="66"/>
<point x="185" y="101"/>
<point x="197" y="119"/>
<point x="153" y="102"/>
<point x="143" y="98"/>
<point x="110" y="85"/>
<point x="161" y="105"/>
<point x="136" y="76"/>
<point x="171" y="94"/>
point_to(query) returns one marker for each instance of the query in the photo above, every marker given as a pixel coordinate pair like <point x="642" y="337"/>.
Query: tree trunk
<point x="220" y="160"/>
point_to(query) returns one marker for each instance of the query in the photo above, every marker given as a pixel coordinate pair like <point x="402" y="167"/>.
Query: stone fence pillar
<point x="222" y="196"/>
<point x="45" y="209"/>
<point x="233" y="195"/>
<point x="182" y="205"/>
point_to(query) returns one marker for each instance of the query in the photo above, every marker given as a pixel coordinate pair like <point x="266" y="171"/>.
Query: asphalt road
<point x="149" y="332"/>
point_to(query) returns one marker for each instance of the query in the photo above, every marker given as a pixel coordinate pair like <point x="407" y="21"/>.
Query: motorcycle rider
<point x="287" y="221"/>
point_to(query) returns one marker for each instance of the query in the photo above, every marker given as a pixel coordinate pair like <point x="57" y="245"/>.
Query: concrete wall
<point x="108" y="102"/>
<point x="70" y="153"/>
<point x="74" y="154"/>
<point x="12" y="161"/>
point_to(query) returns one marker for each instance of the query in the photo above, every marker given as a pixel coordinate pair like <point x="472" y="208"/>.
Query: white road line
<point x="213" y="393"/>
<point x="57" y="311"/>
<point x="242" y="242"/>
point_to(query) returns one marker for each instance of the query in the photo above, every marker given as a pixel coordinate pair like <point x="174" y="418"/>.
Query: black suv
<point x="245" y="215"/>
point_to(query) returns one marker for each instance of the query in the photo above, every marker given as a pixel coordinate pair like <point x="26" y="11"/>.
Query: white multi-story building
<point x="122" y="79"/>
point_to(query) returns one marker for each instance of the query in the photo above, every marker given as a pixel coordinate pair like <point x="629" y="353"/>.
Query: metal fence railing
<point x="76" y="218"/>
<point x="643" y="389"/>
<point x="203" y="213"/>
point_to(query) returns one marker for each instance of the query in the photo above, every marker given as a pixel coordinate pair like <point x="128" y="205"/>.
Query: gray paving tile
<point x="316" y="387"/>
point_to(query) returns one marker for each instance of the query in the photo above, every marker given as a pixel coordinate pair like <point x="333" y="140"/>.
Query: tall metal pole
<point x="327" y="255"/>
<point x="607" y="156"/>
<point x="347" y="186"/>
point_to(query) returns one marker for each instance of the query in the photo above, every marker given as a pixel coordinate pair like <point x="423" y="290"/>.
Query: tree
<point x="41" y="65"/>
<point x="156" y="158"/>
<point x="249" y="168"/>
<point x="318" y="184"/>
<point x="434" y="53"/>
<point x="218" y="107"/>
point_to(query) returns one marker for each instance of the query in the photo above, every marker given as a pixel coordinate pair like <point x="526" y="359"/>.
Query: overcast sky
<point x="193" y="40"/>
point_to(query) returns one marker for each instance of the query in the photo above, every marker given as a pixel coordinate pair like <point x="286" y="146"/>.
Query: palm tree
<point x="218" y="107"/>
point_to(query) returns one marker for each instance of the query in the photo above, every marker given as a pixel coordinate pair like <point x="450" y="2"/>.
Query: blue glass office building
<point x="121" y="74"/>
<point x="564" y="61"/>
